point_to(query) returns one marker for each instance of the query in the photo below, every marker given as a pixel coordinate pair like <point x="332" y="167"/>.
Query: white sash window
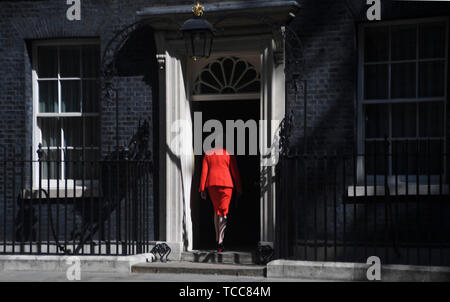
<point x="66" y="107"/>
<point x="402" y="97"/>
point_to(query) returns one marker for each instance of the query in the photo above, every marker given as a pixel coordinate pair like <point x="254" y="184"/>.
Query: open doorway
<point x="242" y="231"/>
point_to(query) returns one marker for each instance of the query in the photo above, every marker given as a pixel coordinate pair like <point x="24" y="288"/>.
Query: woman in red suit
<point x="219" y="176"/>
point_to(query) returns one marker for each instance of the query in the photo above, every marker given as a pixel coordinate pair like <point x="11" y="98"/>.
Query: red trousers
<point x="221" y="198"/>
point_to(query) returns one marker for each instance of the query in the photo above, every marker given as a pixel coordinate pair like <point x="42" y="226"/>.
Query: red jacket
<point x="219" y="170"/>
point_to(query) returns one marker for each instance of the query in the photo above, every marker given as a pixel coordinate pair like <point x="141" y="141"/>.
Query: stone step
<point x="182" y="267"/>
<point x="227" y="257"/>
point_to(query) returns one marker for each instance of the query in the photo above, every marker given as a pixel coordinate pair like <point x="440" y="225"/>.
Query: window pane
<point x="91" y="167"/>
<point x="47" y="62"/>
<point x="431" y="79"/>
<point x="92" y="131"/>
<point x="50" y="164"/>
<point x="376" y="44"/>
<point x="377" y="121"/>
<point x="70" y="96"/>
<point x="48" y="96"/>
<point x="70" y="61"/>
<point x="73" y="164"/>
<point x="91" y="60"/>
<point x="376" y="82"/>
<point x="73" y="132"/>
<point x="403" y="42"/>
<point x="404" y="158"/>
<point x="403" y="77"/>
<point x="427" y="155"/>
<point x="50" y="131"/>
<point x="432" y="40"/>
<point x="404" y="120"/>
<point x="431" y="119"/>
<point x="431" y="160"/>
<point x="239" y="69"/>
<point x="375" y="158"/>
<point x="90" y="96"/>
<point x="211" y="85"/>
<point x="77" y="160"/>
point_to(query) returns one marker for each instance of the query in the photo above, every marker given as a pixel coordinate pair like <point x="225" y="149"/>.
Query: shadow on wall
<point x="137" y="57"/>
<point x="331" y="78"/>
<point x="177" y="161"/>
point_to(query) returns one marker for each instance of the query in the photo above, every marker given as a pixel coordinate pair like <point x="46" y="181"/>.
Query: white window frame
<point x="361" y="101"/>
<point x="72" y="186"/>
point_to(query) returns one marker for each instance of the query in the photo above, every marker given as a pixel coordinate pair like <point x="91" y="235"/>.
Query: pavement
<point x="42" y="276"/>
<point x="32" y="268"/>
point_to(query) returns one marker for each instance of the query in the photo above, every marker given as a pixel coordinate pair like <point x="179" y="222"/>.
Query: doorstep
<point x="185" y="267"/>
<point x="212" y="256"/>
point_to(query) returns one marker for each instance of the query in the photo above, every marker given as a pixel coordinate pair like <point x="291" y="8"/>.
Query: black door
<point x="243" y="220"/>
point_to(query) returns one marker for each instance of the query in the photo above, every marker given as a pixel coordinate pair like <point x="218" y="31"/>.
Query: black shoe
<point x="220" y="248"/>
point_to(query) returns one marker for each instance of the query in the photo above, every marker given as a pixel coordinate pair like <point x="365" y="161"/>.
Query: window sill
<point x="398" y="190"/>
<point x="62" y="192"/>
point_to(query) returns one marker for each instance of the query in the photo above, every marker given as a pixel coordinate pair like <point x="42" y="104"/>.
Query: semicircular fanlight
<point x="227" y="75"/>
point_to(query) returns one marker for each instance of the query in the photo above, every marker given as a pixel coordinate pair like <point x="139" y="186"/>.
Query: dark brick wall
<point x="327" y="29"/>
<point x="327" y="32"/>
<point x="25" y="21"/>
<point x="22" y="22"/>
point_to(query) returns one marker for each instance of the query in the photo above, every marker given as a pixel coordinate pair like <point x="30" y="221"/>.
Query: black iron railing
<point x="102" y="206"/>
<point x="392" y="203"/>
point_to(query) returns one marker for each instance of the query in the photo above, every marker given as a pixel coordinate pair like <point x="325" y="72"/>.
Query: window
<point x="66" y="107"/>
<point x="402" y="96"/>
<point x="217" y="78"/>
<point x="228" y="75"/>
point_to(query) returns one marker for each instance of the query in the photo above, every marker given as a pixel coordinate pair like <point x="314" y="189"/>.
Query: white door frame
<point x="177" y="157"/>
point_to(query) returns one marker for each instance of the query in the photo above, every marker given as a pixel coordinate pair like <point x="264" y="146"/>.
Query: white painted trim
<point x="226" y="97"/>
<point x="68" y="114"/>
<point x="67" y="79"/>
<point x="176" y="79"/>
<point x="399" y="190"/>
<point x="36" y="134"/>
<point x="57" y="188"/>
